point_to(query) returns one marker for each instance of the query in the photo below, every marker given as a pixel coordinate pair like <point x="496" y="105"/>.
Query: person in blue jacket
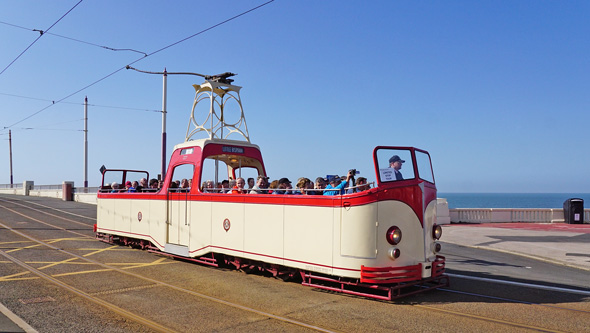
<point x="337" y="186"/>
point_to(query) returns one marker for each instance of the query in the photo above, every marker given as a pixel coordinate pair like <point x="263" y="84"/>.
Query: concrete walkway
<point x="560" y="243"/>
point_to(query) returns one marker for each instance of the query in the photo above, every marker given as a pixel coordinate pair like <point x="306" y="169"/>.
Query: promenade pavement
<point x="560" y="243"/>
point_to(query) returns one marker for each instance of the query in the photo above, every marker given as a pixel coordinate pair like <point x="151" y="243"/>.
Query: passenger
<point x="231" y="185"/>
<point x="208" y="187"/>
<point x="261" y="186"/>
<point x="337" y="186"/>
<point x="362" y="184"/>
<point x="177" y="183"/>
<point x="224" y="188"/>
<point x="284" y="186"/>
<point x="273" y="186"/>
<point x="239" y="188"/>
<point x="129" y="187"/>
<point x="320" y="184"/>
<point x="396" y="163"/>
<point x="185" y="184"/>
<point x="250" y="183"/>
<point x="303" y="186"/>
<point x="153" y="183"/>
<point x="135" y="186"/>
<point x="160" y="184"/>
<point x="115" y="187"/>
<point x="143" y="184"/>
<point x="173" y="187"/>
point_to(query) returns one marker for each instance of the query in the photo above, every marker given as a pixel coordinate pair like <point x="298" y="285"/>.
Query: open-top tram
<point x="381" y="242"/>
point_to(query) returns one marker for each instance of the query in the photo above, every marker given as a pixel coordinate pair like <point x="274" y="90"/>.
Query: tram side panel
<point x="200" y="228"/>
<point x="264" y="232"/>
<point x="227" y="228"/>
<point x="308" y="236"/>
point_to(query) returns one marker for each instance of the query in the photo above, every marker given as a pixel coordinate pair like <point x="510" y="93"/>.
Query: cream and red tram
<point x="380" y="242"/>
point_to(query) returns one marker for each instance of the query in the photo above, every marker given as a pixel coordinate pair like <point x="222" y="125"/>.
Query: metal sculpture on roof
<point x="222" y="115"/>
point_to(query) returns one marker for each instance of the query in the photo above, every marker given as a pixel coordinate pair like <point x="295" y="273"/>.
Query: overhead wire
<point x="79" y="103"/>
<point x="150" y="54"/>
<point x="40" y="35"/>
<point x="73" y="39"/>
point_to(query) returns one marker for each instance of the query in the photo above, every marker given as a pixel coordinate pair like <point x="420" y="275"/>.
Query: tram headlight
<point x="393" y="253"/>
<point x="436" y="231"/>
<point x="394" y="235"/>
<point x="436" y="247"/>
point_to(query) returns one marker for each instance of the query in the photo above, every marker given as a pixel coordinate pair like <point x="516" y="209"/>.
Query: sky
<point x="496" y="91"/>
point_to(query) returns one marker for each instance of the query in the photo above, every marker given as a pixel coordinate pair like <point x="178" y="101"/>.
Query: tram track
<point x="155" y="283"/>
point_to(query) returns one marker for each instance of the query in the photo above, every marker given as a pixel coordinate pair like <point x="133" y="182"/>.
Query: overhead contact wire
<point x="40" y="35"/>
<point x="150" y="54"/>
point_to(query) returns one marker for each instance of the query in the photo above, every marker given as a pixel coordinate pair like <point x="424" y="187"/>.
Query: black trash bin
<point x="573" y="211"/>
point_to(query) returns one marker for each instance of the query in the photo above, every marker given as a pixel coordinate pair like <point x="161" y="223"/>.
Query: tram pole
<point x="86" y="142"/>
<point x="10" y="152"/>
<point x="164" y="91"/>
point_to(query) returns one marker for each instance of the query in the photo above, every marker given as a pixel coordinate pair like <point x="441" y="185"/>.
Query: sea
<point x="511" y="200"/>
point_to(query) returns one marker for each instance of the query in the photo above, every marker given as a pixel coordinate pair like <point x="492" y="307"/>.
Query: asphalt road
<point x="57" y="278"/>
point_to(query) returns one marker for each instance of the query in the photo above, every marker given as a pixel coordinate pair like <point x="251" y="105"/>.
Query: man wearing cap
<point x="337" y="185"/>
<point x="396" y="163"/>
<point x="284" y="186"/>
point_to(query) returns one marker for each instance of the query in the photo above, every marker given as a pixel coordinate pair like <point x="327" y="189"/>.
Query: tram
<point x="379" y="242"/>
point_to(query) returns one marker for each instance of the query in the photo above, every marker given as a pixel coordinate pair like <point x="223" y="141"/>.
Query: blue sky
<point x="496" y="91"/>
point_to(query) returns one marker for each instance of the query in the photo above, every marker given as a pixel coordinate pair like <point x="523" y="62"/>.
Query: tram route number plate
<point x="226" y="225"/>
<point x="139" y="216"/>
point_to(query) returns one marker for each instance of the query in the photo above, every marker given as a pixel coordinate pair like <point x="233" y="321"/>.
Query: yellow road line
<point x="100" y="250"/>
<point x="144" y="321"/>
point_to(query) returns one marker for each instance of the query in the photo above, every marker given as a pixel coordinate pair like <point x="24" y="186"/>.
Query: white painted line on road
<point x="15" y="319"/>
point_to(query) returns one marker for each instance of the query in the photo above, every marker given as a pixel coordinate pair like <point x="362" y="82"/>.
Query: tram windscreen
<point x="424" y="166"/>
<point x="394" y="164"/>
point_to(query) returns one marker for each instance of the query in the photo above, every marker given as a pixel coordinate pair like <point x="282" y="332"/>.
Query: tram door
<point x="178" y="207"/>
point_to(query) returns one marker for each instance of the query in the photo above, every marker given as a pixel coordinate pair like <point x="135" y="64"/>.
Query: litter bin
<point x="573" y="211"/>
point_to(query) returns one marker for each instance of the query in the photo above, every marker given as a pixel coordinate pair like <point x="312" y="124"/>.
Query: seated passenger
<point x="304" y="185"/>
<point x="115" y="187"/>
<point x="362" y="184"/>
<point x="239" y="187"/>
<point x="224" y="186"/>
<point x="184" y="185"/>
<point x="250" y="183"/>
<point x="284" y="187"/>
<point x="129" y="187"/>
<point x="337" y="186"/>
<point x="208" y="187"/>
<point x="153" y="184"/>
<point x="143" y="184"/>
<point x="273" y="186"/>
<point x="261" y="186"/>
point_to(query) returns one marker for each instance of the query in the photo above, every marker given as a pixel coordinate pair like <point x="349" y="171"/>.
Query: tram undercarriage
<point x="408" y="283"/>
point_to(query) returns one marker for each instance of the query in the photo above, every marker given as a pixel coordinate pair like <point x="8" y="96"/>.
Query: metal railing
<point x="19" y="185"/>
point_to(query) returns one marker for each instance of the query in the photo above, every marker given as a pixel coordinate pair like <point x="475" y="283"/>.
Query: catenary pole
<point x="86" y="142"/>
<point x="10" y="152"/>
<point x="165" y="76"/>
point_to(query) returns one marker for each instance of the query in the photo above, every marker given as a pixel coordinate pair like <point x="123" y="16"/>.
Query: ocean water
<point x="511" y="200"/>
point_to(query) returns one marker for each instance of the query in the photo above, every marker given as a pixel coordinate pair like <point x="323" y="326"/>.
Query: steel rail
<point x="141" y="320"/>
